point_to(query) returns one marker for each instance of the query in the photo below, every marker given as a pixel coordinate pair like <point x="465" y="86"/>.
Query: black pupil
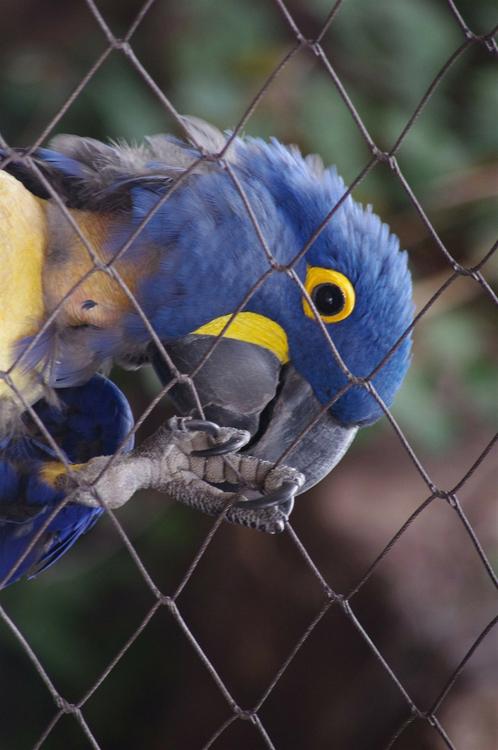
<point x="329" y="299"/>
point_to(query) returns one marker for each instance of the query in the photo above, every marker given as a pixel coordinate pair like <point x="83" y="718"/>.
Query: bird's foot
<point x="247" y="490"/>
<point x="181" y="461"/>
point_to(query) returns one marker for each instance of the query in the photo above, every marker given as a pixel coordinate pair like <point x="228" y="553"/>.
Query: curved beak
<point x="247" y="386"/>
<point x="295" y="407"/>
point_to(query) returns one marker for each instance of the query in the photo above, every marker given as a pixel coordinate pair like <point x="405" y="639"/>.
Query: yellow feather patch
<point x="23" y="238"/>
<point x="52" y="471"/>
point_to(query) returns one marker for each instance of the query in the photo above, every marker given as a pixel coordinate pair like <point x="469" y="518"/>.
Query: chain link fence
<point x="411" y="711"/>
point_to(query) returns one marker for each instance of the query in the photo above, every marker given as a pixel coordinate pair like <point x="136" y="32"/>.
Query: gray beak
<point x="243" y="385"/>
<point x="294" y="409"/>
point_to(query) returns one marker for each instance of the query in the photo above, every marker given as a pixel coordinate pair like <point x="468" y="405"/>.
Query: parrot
<point x="222" y="260"/>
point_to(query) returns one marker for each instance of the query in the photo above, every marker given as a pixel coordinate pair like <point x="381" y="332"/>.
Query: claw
<point x="186" y="424"/>
<point x="231" y="445"/>
<point x="282" y="496"/>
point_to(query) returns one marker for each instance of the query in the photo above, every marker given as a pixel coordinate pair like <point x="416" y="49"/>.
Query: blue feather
<point x="62" y="162"/>
<point x="92" y="420"/>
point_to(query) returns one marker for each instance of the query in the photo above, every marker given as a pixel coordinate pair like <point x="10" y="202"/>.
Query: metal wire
<point x="329" y="597"/>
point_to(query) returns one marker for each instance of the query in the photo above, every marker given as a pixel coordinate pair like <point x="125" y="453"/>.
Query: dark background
<point x="252" y="596"/>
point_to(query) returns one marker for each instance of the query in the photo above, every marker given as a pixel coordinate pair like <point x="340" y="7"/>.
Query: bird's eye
<point x="329" y="299"/>
<point x="331" y="292"/>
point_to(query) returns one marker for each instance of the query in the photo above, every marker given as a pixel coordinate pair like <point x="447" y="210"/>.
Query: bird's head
<point x="340" y="307"/>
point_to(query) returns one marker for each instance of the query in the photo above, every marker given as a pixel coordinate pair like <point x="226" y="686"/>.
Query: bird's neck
<point x="77" y="246"/>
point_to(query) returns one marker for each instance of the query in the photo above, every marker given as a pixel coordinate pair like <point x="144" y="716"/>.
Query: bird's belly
<point x="23" y="236"/>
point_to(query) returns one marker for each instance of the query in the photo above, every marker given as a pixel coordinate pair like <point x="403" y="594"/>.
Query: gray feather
<point x="203" y="135"/>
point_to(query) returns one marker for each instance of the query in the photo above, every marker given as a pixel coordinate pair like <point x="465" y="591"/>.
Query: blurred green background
<point x="252" y="597"/>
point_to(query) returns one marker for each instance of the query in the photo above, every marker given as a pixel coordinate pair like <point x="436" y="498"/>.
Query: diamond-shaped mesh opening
<point x="369" y="622"/>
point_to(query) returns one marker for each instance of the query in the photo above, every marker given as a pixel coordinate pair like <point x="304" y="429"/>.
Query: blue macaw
<point x="191" y="267"/>
<point x="90" y="420"/>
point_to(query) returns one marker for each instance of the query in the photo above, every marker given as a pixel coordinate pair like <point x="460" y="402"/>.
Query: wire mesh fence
<point x="412" y="711"/>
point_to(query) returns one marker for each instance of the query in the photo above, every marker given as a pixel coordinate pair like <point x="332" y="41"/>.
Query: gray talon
<point x="232" y="445"/>
<point x="187" y="424"/>
<point x="281" y="496"/>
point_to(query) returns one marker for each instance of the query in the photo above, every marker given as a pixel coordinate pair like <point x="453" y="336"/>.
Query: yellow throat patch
<point x="253" y="328"/>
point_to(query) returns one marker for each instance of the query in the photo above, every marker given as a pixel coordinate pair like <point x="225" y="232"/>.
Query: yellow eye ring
<point x="331" y="292"/>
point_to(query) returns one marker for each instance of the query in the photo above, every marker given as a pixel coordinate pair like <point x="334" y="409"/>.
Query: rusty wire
<point x="330" y="598"/>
